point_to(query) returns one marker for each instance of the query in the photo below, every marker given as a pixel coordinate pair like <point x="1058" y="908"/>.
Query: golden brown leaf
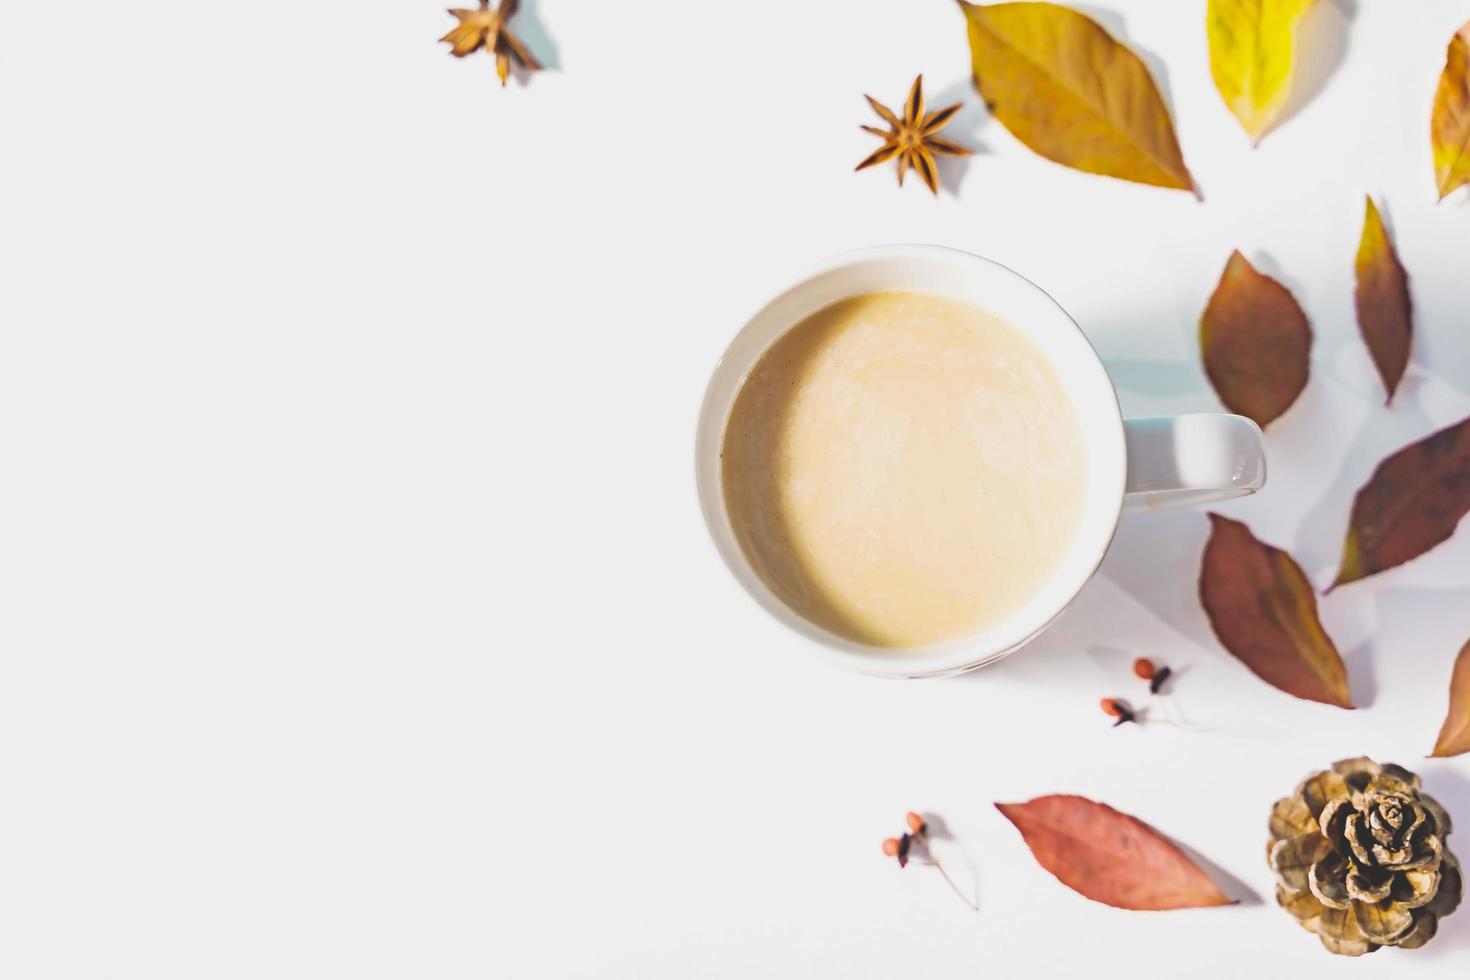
<point x="1069" y="91"/>
<point x="1449" y="127"/>
<point x="1413" y="501"/>
<point x="486" y="28"/>
<point x="912" y="140"/>
<point x="1252" y="51"/>
<point x="1454" y="736"/>
<point x="1256" y="342"/>
<point x="1264" y="611"/>
<point x="1109" y="856"/>
<point x="1384" y="307"/>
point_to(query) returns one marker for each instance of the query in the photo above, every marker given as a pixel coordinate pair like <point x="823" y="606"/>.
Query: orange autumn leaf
<point x="1064" y="87"/>
<point x="1256" y="342"/>
<point x="1110" y="857"/>
<point x="1449" y="127"/>
<point x="1264" y="612"/>
<point x="1413" y="501"/>
<point x="1384" y="307"/>
<point x="1454" y="736"/>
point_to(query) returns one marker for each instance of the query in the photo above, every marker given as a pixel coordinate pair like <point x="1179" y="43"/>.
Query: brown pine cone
<point x="1360" y="858"/>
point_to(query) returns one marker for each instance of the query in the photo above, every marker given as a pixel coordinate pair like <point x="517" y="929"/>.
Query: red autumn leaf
<point x="1412" y="502"/>
<point x="1109" y="856"/>
<point x="1454" y="737"/>
<point x="1384" y="308"/>
<point x="1264" y="610"/>
<point x="1255" y="341"/>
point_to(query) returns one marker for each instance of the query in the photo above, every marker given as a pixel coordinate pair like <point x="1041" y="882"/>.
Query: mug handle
<point x="1184" y="460"/>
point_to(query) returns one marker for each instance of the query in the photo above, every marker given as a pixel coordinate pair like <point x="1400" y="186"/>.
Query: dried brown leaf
<point x="1256" y="343"/>
<point x="1384" y="308"/>
<point x="1454" y="737"/>
<point x="1110" y="857"/>
<point x="1264" y="611"/>
<point x="1413" y="501"/>
<point x="1064" y="87"/>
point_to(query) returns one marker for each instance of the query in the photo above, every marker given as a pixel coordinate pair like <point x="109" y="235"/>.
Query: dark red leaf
<point x="1412" y="502"/>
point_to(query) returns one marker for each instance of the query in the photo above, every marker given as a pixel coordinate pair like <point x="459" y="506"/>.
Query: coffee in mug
<point x="903" y="468"/>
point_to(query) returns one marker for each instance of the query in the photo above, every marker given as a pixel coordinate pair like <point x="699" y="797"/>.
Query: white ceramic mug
<point x="1140" y="464"/>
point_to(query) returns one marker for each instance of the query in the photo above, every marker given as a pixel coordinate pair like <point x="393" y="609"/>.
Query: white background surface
<point x="356" y="614"/>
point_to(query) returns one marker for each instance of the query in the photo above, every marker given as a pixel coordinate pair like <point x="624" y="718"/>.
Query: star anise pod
<point x="912" y="139"/>
<point x="485" y="28"/>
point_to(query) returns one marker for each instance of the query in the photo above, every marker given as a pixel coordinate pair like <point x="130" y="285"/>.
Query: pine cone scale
<point x="1451" y="889"/>
<point x="1365" y="888"/>
<point x="1425" y="927"/>
<point x="1328" y="881"/>
<point x="1383" y="923"/>
<point x="1291" y="817"/>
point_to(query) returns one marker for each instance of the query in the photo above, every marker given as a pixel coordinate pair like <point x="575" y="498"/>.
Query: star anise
<point x="912" y="139"/>
<point x="485" y="28"/>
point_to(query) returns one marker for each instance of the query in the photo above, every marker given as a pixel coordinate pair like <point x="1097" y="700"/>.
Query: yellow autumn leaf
<point x="1252" y="51"/>
<point x="1064" y="87"/>
<point x="1450" y="124"/>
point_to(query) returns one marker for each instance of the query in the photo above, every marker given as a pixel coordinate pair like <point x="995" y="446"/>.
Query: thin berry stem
<point x="950" y="882"/>
<point x="1173" y="715"/>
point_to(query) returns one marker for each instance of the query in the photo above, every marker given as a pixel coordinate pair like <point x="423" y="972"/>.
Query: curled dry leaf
<point x="1449" y="126"/>
<point x="1069" y="91"/>
<point x="1109" y="856"/>
<point x="1264" y="611"/>
<point x="1252" y="53"/>
<point x="1384" y="308"/>
<point x="1413" y="501"/>
<point x="1256" y="342"/>
<point x="1454" y="736"/>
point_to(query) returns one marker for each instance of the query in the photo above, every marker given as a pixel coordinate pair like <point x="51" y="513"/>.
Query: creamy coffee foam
<point x="904" y="469"/>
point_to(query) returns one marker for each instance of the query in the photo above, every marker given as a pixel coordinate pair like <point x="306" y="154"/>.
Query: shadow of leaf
<point x="1323" y="528"/>
<point x="1233" y="887"/>
<point x="1155" y="558"/>
<point x="1321" y="49"/>
<point x="1440" y="337"/>
<point x="1362" y="679"/>
<point x="530" y="28"/>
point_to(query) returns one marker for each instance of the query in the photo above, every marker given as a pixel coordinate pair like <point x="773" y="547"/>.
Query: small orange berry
<point x="890" y="847"/>
<point x="1111" y="708"/>
<point x="1144" y="668"/>
<point x="915" y="822"/>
